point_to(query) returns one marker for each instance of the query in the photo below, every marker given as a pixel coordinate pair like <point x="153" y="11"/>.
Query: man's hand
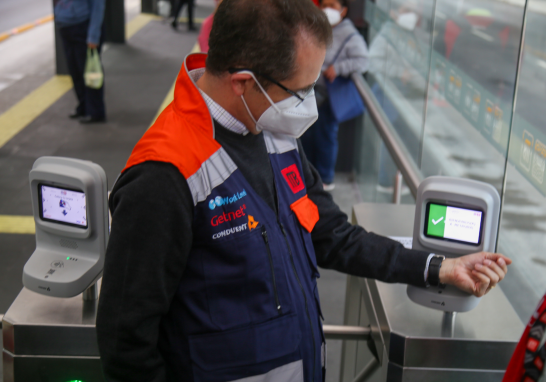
<point x="330" y="73"/>
<point x="477" y="273"/>
<point x="92" y="45"/>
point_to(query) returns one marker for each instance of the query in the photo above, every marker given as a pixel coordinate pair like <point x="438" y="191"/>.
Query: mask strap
<point x="249" y="113"/>
<point x="263" y="91"/>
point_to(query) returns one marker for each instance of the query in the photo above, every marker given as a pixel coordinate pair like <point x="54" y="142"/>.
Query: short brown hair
<point x="261" y="35"/>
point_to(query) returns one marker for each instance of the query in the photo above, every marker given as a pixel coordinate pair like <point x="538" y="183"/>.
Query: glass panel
<point x="470" y="93"/>
<point x="522" y="234"/>
<point x="399" y="41"/>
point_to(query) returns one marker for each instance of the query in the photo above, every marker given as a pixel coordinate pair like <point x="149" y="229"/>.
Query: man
<point x="219" y="222"/>
<point x="80" y="23"/>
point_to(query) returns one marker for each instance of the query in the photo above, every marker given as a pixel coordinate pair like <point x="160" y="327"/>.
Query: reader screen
<point x="453" y="223"/>
<point x="62" y="205"/>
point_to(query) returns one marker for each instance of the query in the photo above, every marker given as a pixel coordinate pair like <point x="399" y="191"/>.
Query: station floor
<point x="34" y="105"/>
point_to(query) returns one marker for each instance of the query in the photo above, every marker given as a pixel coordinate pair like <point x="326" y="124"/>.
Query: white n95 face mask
<point x="333" y="15"/>
<point x="408" y="20"/>
<point x="290" y="117"/>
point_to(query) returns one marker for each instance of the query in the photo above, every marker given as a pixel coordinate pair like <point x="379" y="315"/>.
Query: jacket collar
<point x="188" y="101"/>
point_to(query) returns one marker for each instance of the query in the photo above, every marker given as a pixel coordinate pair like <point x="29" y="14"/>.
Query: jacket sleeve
<point x="95" y="21"/>
<point x="351" y="249"/>
<point x="356" y="58"/>
<point x="151" y="236"/>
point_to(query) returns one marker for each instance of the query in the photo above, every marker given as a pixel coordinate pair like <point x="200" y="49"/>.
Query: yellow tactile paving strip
<point x="29" y="108"/>
<point x="17" y="224"/>
<point x="25" y="111"/>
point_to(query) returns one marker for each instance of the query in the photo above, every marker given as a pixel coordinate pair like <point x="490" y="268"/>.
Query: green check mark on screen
<point x="436" y="220"/>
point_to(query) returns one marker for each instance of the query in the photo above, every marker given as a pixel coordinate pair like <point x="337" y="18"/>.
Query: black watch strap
<point x="434" y="271"/>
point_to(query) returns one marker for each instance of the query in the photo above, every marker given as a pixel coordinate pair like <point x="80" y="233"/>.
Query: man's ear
<point x="344" y="12"/>
<point x="240" y="82"/>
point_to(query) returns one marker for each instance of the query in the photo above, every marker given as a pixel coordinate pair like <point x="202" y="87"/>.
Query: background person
<point x="80" y="23"/>
<point x="178" y="9"/>
<point x="320" y="141"/>
<point x="206" y="27"/>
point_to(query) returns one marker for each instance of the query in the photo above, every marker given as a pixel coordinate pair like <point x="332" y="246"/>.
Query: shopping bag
<point x="93" y="74"/>
<point x="345" y="100"/>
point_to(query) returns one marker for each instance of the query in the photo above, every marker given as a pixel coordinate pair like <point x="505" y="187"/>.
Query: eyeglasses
<point x="300" y="94"/>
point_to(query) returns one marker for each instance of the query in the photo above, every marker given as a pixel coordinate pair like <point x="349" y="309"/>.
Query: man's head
<point x="263" y="35"/>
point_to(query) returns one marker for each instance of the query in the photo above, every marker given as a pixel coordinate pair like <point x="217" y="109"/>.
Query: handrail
<point x="400" y="155"/>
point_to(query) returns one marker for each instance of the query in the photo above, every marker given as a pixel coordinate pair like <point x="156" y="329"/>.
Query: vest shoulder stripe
<point x="279" y="143"/>
<point x="213" y="172"/>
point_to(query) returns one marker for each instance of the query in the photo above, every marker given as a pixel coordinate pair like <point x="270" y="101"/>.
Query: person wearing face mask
<point x="348" y="54"/>
<point x="219" y="222"/>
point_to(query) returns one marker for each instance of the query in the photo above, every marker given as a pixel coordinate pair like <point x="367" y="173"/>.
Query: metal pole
<point x="61" y="67"/>
<point x="147" y="6"/>
<point x="91" y="293"/>
<point x="448" y="324"/>
<point x="345" y="332"/>
<point x="367" y="371"/>
<point x="397" y="192"/>
<point x="114" y="22"/>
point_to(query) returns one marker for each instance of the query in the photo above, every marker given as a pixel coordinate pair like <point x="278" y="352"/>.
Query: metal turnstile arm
<point x="345" y="332"/>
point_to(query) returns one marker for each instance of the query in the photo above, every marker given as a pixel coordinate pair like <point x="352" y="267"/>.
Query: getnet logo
<point x="224" y="201"/>
<point x="252" y="224"/>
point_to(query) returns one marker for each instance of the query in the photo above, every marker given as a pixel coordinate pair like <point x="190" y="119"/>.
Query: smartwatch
<point x="434" y="271"/>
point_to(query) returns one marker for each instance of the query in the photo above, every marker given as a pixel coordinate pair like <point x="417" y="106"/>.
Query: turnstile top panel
<point x="38" y="325"/>
<point x="494" y="319"/>
<point x="30" y="308"/>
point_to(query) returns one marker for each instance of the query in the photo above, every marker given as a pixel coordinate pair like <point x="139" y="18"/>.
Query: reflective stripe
<point x="292" y="372"/>
<point x="279" y="143"/>
<point x="213" y="172"/>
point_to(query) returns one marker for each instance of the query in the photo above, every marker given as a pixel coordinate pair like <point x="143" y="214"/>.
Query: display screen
<point x="63" y="206"/>
<point x="453" y="223"/>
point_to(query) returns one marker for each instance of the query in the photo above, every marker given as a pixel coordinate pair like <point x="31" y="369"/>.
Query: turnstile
<point x="408" y="337"/>
<point x="48" y="339"/>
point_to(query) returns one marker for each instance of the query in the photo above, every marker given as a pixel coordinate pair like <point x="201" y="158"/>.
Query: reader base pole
<point x="91" y="293"/>
<point x="448" y="324"/>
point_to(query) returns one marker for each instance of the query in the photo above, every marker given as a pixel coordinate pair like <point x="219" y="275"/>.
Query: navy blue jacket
<point x="71" y="12"/>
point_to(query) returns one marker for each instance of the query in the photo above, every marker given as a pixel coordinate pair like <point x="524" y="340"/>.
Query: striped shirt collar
<point x="218" y="113"/>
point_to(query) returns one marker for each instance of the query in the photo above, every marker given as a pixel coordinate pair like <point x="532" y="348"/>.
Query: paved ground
<point x="18" y="12"/>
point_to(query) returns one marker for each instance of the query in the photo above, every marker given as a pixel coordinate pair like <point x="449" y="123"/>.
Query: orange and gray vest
<point x="247" y="307"/>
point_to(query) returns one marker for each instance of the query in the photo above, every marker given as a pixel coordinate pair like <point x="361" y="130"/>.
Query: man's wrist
<point x="445" y="271"/>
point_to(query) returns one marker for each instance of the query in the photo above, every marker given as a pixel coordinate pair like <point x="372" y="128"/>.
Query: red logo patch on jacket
<point x="293" y="178"/>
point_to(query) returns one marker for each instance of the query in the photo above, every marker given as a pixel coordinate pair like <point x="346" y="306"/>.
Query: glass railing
<point x="465" y="97"/>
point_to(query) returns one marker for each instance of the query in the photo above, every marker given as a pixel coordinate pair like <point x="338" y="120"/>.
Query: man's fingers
<point x="492" y="275"/>
<point x="501" y="272"/>
<point x="497" y="256"/>
<point x="483" y="283"/>
<point x="501" y="263"/>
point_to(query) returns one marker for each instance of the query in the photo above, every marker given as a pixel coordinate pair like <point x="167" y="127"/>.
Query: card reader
<point x="453" y="217"/>
<point x="70" y="206"/>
